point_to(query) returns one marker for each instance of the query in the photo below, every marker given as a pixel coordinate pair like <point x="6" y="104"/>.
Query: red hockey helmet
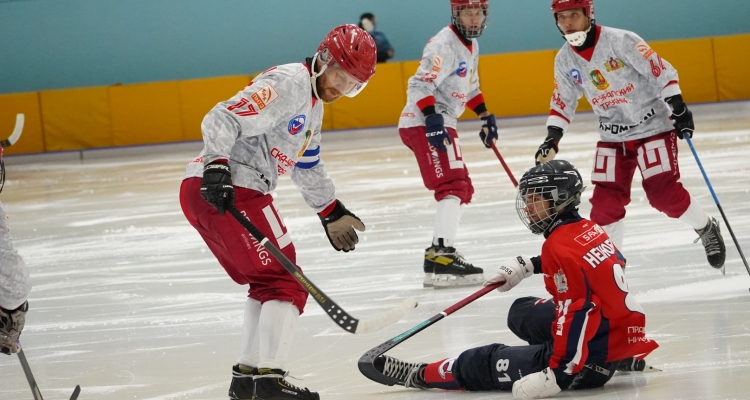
<point x="352" y="49"/>
<point x="563" y="5"/>
<point x="458" y="5"/>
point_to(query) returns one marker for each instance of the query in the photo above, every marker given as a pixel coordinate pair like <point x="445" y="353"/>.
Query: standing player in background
<point x="636" y="95"/>
<point x="577" y="337"/>
<point x="268" y="129"/>
<point x="446" y="82"/>
<point x="14" y="282"/>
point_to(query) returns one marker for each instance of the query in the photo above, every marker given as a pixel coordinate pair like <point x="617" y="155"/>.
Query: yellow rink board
<point x="732" y="57"/>
<point x="76" y="119"/>
<point x="199" y="96"/>
<point x="694" y="61"/>
<point x="146" y="113"/>
<point x="32" y="138"/>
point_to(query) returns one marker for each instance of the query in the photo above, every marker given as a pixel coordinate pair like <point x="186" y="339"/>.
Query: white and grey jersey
<point x="447" y="76"/>
<point x="15" y="284"/>
<point x="270" y="128"/>
<point x="625" y="81"/>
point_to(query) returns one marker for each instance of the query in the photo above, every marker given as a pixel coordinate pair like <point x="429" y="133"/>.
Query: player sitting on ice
<point x="637" y="97"/>
<point x="14" y="283"/>
<point x="577" y="337"/>
<point x="446" y="83"/>
<point x="270" y="128"/>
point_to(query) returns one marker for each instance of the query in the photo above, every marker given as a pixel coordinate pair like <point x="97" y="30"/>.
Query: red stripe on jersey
<point x="426" y="102"/>
<point x="477" y="100"/>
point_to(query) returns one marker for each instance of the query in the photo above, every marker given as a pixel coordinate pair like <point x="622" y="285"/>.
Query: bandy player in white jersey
<point x="15" y="284"/>
<point x="636" y="95"/>
<point x="271" y="128"/>
<point x="446" y="83"/>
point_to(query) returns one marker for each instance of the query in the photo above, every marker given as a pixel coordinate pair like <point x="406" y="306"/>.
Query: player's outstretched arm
<point x="512" y="272"/>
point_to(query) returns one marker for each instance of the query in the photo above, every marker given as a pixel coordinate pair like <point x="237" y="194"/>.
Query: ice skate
<point x="633" y="365"/>
<point x="452" y="270"/>
<point x="712" y="241"/>
<point x="242" y="384"/>
<point x="429" y="266"/>
<point x="410" y="375"/>
<point x="271" y="385"/>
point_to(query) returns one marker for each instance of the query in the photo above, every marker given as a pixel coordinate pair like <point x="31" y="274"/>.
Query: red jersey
<point x="596" y="316"/>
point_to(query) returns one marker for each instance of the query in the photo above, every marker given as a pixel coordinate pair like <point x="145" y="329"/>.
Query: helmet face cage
<point x="471" y="4"/>
<point x="547" y="191"/>
<point x="535" y="207"/>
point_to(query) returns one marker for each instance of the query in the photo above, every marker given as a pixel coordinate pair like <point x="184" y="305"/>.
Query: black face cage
<point x="470" y="33"/>
<point x="538" y="218"/>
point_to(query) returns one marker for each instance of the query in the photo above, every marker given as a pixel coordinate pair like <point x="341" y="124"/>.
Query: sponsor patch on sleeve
<point x="265" y="96"/>
<point x="644" y="49"/>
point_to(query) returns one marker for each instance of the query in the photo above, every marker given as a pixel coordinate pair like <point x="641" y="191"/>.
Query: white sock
<point x="616" y="233"/>
<point x="249" y="347"/>
<point x="278" y="320"/>
<point x="447" y="215"/>
<point x="694" y="216"/>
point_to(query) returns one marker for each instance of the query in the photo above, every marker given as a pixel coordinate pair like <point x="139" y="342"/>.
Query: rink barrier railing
<point x="514" y="84"/>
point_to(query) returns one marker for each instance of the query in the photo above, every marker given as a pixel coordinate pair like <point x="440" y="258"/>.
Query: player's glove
<point x="11" y="325"/>
<point x="682" y="117"/>
<point x="538" y="385"/>
<point x="340" y="225"/>
<point x="436" y="132"/>
<point x="216" y="187"/>
<point x="512" y="273"/>
<point x="488" y="134"/>
<point x="548" y="149"/>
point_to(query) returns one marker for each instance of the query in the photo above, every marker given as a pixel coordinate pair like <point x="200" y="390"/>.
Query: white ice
<point x="129" y="303"/>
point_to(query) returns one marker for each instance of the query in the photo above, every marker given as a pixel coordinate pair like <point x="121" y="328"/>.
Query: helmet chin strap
<point x="578" y="38"/>
<point x="314" y="77"/>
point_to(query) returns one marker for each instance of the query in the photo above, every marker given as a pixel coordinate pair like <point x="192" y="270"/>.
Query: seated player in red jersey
<point x="577" y="337"/>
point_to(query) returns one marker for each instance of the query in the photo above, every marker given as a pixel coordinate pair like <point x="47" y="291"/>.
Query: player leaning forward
<point x="446" y="83"/>
<point x="268" y="129"/>
<point x="634" y="92"/>
<point x="15" y="284"/>
<point x="577" y="337"/>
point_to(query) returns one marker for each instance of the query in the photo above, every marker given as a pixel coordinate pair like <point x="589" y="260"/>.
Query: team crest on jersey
<point x="576" y="75"/>
<point x="462" y="68"/>
<point x="265" y="96"/>
<point x="644" y="49"/>
<point x="297" y="124"/>
<point x="308" y="136"/>
<point x="561" y="281"/>
<point x="597" y="78"/>
<point x="614" y="64"/>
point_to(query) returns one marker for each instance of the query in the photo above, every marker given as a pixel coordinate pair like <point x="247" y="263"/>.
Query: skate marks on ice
<point x="128" y="302"/>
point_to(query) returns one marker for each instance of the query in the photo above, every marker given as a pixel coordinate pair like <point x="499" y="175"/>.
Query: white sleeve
<point x="311" y="177"/>
<point x="660" y="73"/>
<point x="434" y="67"/>
<point x="564" y="98"/>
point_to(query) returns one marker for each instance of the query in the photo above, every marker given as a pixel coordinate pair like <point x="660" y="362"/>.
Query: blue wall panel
<point x="49" y="44"/>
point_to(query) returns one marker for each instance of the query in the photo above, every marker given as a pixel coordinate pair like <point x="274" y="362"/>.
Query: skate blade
<point x="450" y="281"/>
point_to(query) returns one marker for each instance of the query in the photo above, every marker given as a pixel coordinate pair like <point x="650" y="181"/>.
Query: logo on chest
<point x="561" y="281"/>
<point x="297" y="124"/>
<point x="576" y="75"/>
<point x="597" y="78"/>
<point x="462" y="69"/>
<point x="614" y="64"/>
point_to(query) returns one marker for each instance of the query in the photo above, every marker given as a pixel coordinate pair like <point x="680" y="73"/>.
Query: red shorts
<point x="612" y="176"/>
<point x="244" y="258"/>
<point x="443" y="172"/>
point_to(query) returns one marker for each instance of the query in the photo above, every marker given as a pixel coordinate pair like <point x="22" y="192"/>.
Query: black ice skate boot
<point x="242" y="384"/>
<point x="712" y="241"/>
<point x="429" y="266"/>
<point x="631" y="364"/>
<point x="410" y="375"/>
<point x="271" y="385"/>
<point x="451" y="269"/>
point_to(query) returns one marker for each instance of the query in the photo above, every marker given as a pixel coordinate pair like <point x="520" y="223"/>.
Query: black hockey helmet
<point x="547" y="191"/>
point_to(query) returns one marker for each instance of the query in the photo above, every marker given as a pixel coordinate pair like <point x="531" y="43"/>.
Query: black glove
<point x="436" y="133"/>
<point x="216" y="187"/>
<point x="682" y="117"/>
<point x="488" y="134"/>
<point x="11" y="325"/>
<point x="548" y="149"/>
<point x="339" y="225"/>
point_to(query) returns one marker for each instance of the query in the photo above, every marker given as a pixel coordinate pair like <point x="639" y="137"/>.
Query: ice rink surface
<point x="128" y="302"/>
